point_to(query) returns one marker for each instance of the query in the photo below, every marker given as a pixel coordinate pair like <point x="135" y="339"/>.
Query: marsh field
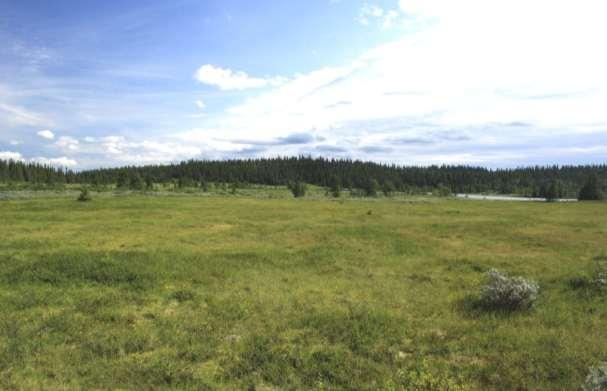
<point x="230" y="293"/>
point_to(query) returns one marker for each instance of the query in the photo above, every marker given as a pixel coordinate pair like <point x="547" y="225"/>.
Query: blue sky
<point x="485" y="82"/>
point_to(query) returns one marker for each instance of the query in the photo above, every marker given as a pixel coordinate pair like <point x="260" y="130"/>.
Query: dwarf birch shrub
<point x="84" y="195"/>
<point x="596" y="379"/>
<point x="507" y="293"/>
<point x="595" y="282"/>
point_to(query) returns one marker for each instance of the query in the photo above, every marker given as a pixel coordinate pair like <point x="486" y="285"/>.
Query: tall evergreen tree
<point x="335" y="186"/>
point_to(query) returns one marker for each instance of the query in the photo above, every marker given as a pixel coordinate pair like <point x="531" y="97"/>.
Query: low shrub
<point x="593" y="282"/>
<point x="423" y="376"/>
<point x="596" y="379"/>
<point x="182" y="295"/>
<point x="84" y="195"/>
<point x="298" y="188"/>
<point x="507" y="293"/>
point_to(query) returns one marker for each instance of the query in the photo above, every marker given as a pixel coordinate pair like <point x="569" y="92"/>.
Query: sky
<point x="86" y="83"/>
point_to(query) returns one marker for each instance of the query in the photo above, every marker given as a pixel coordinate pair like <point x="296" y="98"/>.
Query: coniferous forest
<point x="562" y="181"/>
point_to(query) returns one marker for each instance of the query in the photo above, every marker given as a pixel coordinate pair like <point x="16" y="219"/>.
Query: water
<point x="508" y="198"/>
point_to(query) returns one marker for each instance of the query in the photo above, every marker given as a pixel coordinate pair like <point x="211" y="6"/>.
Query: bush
<point x="297" y="188"/>
<point x="596" y="379"/>
<point x="84" y="195"/>
<point x="507" y="293"/>
<point x="182" y="295"/>
<point x="593" y="282"/>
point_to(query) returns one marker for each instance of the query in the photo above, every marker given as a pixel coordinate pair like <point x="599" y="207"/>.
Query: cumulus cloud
<point x="450" y="90"/>
<point x="372" y="13"/>
<point x="69" y="143"/>
<point x="470" y="81"/>
<point x="56" y="162"/>
<point x="8" y="155"/>
<point x="15" y="142"/>
<point x="47" y="134"/>
<point x="227" y="79"/>
<point x="123" y="150"/>
<point x="200" y="104"/>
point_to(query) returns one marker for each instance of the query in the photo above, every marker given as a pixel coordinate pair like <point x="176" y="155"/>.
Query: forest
<point x="564" y="181"/>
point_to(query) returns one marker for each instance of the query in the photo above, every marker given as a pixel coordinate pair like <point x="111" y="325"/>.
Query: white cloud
<point x="368" y="12"/>
<point x="200" y="104"/>
<point x="473" y="67"/>
<point x="17" y="115"/>
<point x="68" y="143"/>
<point x="226" y="79"/>
<point x="47" y="134"/>
<point x="120" y="149"/>
<point x="15" y="142"/>
<point x="8" y="155"/>
<point x="57" y="162"/>
<point x="371" y="12"/>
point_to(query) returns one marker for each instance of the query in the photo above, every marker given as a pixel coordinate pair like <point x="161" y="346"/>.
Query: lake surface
<point x="508" y="198"/>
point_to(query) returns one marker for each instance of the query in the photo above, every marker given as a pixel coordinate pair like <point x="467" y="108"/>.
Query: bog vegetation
<point x="262" y="290"/>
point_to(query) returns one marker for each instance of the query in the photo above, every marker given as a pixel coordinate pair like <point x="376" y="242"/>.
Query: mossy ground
<point x="141" y="292"/>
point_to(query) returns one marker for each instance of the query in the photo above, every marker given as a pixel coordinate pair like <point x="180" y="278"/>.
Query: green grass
<point x="191" y="292"/>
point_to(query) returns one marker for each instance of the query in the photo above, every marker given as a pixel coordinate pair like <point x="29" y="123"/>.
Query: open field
<point x="189" y="292"/>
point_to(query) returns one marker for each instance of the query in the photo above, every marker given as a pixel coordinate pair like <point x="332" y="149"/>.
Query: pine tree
<point x="335" y="186"/>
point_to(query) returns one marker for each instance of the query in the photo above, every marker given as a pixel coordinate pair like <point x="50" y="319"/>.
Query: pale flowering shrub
<point x="507" y="293"/>
<point x="596" y="379"/>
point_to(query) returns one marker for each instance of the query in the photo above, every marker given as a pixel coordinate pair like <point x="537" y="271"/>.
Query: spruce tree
<point x="335" y="186"/>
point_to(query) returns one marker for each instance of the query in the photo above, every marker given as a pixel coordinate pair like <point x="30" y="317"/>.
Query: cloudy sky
<point x="87" y="83"/>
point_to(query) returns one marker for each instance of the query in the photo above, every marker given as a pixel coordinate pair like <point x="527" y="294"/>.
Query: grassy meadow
<point x="230" y="293"/>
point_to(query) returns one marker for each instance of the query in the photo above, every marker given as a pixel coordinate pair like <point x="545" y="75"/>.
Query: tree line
<point x="22" y="172"/>
<point x="368" y="177"/>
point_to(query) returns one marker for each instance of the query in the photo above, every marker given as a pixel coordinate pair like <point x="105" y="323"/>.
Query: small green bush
<point x="595" y="282"/>
<point x="84" y="195"/>
<point x="507" y="293"/>
<point x="183" y="295"/>
<point x="298" y="188"/>
<point x="424" y="377"/>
